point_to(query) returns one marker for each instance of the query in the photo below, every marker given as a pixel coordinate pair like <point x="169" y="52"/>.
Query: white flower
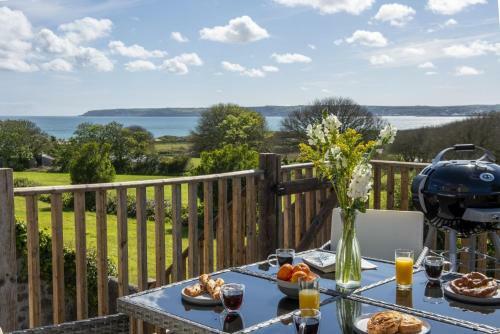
<point x="317" y="135"/>
<point x="331" y="123"/>
<point x="387" y="135"/>
<point x="361" y="182"/>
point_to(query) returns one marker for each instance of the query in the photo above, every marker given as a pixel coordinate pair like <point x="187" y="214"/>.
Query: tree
<point x="227" y="159"/>
<point x="226" y="124"/>
<point x="350" y="114"/>
<point x="21" y="143"/>
<point x="127" y="145"/>
<point x="92" y="164"/>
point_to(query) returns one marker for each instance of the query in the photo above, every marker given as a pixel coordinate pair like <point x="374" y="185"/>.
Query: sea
<point x="63" y="126"/>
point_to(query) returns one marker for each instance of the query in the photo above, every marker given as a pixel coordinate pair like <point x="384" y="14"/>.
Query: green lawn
<point x="68" y="221"/>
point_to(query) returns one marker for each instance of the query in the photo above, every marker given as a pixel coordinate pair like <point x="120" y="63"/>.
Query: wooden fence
<point x="246" y="216"/>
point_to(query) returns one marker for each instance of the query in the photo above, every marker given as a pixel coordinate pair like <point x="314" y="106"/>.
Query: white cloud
<point x="431" y="73"/>
<point x="450" y="22"/>
<point x="414" y="51"/>
<point x="270" y="68"/>
<point x="177" y="36"/>
<point x="326" y="91"/>
<point x="68" y="49"/>
<point x="338" y="41"/>
<point x="180" y="64"/>
<point x="395" y="13"/>
<point x="57" y="65"/>
<point x="476" y="48"/>
<point x="467" y="71"/>
<point x="381" y="59"/>
<point x="311" y="46"/>
<point x="427" y="65"/>
<point x="248" y="72"/>
<point x="239" y="30"/>
<point x="367" y="38"/>
<point x="290" y="58"/>
<point x="232" y="67"/>
<point x="134" y="51"/>
<point x="331" y="6"/>
<point x="15" y="41"/>
<point x="450" y="7"/>
<point x="140" y="65"/>
<point x="86" y="29"/>
<point x="253" y="73"/>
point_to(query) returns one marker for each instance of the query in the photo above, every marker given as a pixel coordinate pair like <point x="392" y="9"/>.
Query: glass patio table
<point x="266" y="310"/>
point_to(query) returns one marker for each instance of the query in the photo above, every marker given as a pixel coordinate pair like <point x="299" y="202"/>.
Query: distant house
<point x="46" y="160"/>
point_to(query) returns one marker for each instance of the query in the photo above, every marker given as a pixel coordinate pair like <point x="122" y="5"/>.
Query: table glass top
<point x="383" y="271"/>
<point x="338" y="316"/>
<point x="426" y="297"/>
<point x="262" y="301"/>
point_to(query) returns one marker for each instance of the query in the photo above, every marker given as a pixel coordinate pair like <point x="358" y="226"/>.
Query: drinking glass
<point x="308" y="294"/>
<point x="434" y="267"/>
<point x="307" y="321"/>
<point x="282" y="256"/>
<point x="232" y="296"/>
<point x="404" y="268"/>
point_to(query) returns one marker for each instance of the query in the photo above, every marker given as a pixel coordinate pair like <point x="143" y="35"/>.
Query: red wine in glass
<point x="232" y="296"/>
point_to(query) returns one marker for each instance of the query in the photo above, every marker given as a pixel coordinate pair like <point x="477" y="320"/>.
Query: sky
<point x="65" y="57"/>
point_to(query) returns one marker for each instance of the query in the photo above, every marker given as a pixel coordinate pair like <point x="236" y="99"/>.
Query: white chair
<point x="380" y="232"/>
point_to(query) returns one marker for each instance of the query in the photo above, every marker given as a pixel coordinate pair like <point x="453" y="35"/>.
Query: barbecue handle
<point x="464" y="147"/>
<point x="487" y="156"/>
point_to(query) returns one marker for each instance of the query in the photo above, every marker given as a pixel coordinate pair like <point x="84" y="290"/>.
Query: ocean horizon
<point x="63" y="126"/>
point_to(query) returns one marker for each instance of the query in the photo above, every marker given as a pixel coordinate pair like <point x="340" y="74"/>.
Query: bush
<point x="227" y="159"/>
<point x="91" y="164"/>
<point x="173" y="165"/>
<point x="23" y="182"/>
<point x="69" y="265"/>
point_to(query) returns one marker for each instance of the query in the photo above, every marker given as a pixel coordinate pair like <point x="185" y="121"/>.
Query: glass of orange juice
<point x="404" y="268"/>
<point x="308" y="293"/>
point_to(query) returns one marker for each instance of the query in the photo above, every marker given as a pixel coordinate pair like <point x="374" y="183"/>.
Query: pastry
<point x="386" y="322"/>
<point x="410" y="325"/>
<point x="194" y="290"/>
<point x="219" y="282"/>
<point x="475" y="285"/>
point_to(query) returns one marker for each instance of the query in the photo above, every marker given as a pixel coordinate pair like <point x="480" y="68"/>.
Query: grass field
<point x="44" y="178"/>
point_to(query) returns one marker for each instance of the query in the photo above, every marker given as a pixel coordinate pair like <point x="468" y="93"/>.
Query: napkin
<point x="325" y="261"/>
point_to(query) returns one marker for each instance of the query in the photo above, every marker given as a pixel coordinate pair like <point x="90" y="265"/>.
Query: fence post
<point x="8" y="268"/>
<point x="270" y="163"/>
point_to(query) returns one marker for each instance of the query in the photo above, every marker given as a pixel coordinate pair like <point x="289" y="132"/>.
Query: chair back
<point x="380" y="232"/>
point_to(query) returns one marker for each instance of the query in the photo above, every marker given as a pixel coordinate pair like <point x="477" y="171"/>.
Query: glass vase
<point x="348" y="258"/>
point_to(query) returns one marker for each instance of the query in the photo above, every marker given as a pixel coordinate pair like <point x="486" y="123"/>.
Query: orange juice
<point x="309" y="299"/>
<point x="404" y="272"/>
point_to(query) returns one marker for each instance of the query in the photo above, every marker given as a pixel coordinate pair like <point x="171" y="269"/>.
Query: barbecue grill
<point x="460" y="196"/>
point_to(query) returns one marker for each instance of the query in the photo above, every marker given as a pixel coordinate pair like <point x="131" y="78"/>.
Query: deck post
<point x="8" y="268"/>
<point x="270" y="163"/>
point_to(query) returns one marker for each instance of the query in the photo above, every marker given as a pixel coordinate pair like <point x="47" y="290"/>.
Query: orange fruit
<point x="311" y="276"/>
<point x="296" y="275"/>
<point x="301" y="267"/>
<point x="285" y="272"/>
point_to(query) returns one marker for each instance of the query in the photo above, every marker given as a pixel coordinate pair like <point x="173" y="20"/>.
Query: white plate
<point x="495" y="300"/>
<point x="203" y="299"/>
<point x="361" y="324"/>
<point x="288" y="288"/>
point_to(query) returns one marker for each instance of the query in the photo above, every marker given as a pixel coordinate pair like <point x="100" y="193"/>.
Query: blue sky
<point x="64" y="57"/>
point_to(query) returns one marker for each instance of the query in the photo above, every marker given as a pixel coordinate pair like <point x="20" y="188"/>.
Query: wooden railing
<point x="246" y="216"/>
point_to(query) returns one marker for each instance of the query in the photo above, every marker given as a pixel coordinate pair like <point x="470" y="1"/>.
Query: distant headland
<point x="280" y="111"/>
